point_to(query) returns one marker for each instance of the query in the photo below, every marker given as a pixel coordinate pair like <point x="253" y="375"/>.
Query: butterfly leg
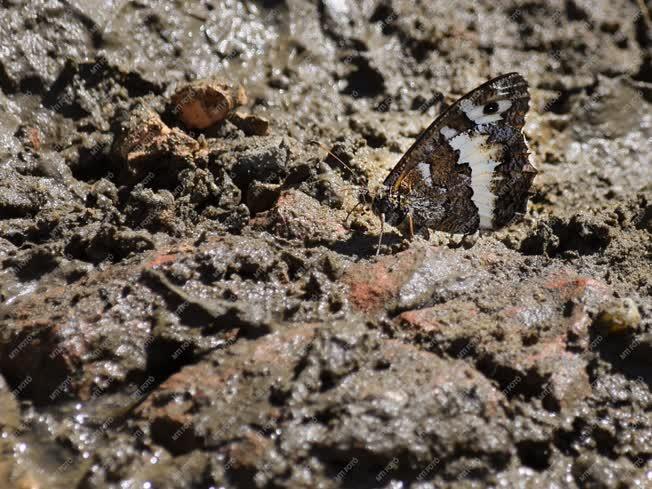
<point x="468" y="240"/>
<point x="410" y="220"/>
<point x="380" y="236"/>
<point x="346" y="219"/>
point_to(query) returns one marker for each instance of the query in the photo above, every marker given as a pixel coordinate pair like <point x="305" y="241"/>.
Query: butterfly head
<point x="391" y="205"/>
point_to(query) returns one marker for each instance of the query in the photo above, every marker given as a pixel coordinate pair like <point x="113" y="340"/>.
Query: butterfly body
<point x="469" y="169"/>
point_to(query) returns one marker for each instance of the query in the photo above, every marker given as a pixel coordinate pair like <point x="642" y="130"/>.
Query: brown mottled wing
<point x="470" y="167"/>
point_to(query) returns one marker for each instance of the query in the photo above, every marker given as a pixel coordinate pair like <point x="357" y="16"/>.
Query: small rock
<point x="567" y="285"/>
<point x="221" y="400"/>
<point x="148" y="148"/>
<point x="414" y="278"/>
<point x="262" y="196"/>
<point x="469" y="240"/>
<point x="206" y="102"/>
<point x="10" y="412"/>
<point x="141" y="132"/>
<point x="296" y="215"/>
<point x="568" y="383"/>
<point x="619" y="316"/>
<point x="251" y="125"/>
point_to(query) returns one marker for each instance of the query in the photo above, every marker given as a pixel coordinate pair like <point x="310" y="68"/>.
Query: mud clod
<point x="182" y="304"/>
<point x="559" y="236"/>
<point x="298" y="216"/>
<point x="250" y="124"/>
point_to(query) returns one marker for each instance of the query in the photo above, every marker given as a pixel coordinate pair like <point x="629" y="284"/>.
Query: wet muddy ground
<point x="182" y="304"/>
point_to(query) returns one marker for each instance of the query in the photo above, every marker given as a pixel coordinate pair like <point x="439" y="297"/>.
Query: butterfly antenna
<point x="323" y="146"/>
<point x="352" y="211"/>
<point x="380" y="236"/>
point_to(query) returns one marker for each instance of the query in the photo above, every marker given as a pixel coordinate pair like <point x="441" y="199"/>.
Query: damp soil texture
<point x="183" y="303"/>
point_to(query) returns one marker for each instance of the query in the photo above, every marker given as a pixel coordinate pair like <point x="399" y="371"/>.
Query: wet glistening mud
<point x="184" y="305"/>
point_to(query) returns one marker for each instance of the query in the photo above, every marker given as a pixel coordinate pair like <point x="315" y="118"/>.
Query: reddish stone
<point x="170" y="410"/>
<point x="247" y="453"/>
<point x="372" y="285"/>
<point x="569" y="285"/>
<point x="161" y="260"/>
<point x="522" y="360"/>
<point x="408" y="279"/>
<point x="435" y="319"/>
<point x="67" y="339"/>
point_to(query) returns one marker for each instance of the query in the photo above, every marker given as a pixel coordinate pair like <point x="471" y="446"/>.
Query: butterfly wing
<point x="469" y="169"/>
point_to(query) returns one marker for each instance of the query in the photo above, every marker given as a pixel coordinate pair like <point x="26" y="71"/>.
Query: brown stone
<point x="206" y="102"/>
<point x="148" y="135"/>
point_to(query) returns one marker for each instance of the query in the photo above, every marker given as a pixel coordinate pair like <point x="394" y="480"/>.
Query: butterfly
<point x="469" y="169"/>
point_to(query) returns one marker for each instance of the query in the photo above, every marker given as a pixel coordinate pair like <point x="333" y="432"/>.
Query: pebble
<point x="619" y="316"/>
